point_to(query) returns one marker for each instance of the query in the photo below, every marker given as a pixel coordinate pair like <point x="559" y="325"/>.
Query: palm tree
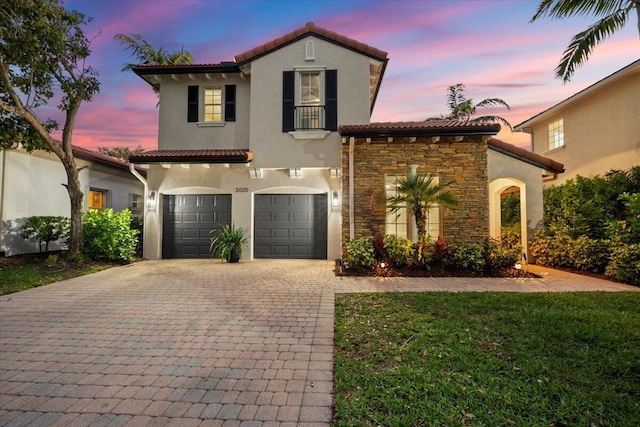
<point x="613" y="16"/>
<point x="147" y="55"/>
<point x="419" y="193"/>
<point x="463" y="109"/>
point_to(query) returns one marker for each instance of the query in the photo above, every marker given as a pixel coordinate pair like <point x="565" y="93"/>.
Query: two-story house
<point x="279" y="142"/>
<point x="595" y="130"/>
<point x="255" y="142"/>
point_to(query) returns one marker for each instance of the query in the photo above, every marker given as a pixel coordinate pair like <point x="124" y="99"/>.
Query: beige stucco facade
<point x="601" y="127"/>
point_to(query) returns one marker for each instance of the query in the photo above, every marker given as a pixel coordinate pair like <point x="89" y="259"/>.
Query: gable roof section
<point x="310" y="29"/>
<point x="423" y="128"/>
<point x="623" y="73"/>
<point x="94" y="156"/>
<point x="193" y="156"/>
<point x="525" y="155"/>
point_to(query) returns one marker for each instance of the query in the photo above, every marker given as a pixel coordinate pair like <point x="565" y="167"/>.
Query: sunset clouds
<point x="488" y="45"/>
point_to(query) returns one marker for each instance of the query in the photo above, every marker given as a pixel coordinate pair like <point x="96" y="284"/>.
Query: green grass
<point x="19" y="278"/>
<point x="480" y="359"/>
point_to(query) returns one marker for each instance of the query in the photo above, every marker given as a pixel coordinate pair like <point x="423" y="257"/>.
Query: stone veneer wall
<point x="462" y="163"/>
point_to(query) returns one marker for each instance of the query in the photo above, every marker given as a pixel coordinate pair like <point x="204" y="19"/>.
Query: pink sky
<point x="488" y="45"/>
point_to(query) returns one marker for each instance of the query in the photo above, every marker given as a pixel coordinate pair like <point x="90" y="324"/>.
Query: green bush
<point x="625" y="263"/>
<point x="551" y="247"/>
<point x="510" y="236"/>
<point x="45" y="229"/>
<point x="497" y="255"/>
<point x="467" y="256"/>
<point x="399" y="250"/>
<point x="108" y="235"/>
<point x="589" y="254"/>
<point x="360" y="253"/>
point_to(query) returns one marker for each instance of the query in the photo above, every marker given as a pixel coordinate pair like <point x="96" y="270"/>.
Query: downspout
<point x="3" y="188"/>
<point x="352" y="224"/>
<point x="141" y="178"/>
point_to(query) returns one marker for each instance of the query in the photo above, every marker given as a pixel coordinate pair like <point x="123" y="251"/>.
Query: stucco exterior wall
<point x="175" y="133"/>
<point x="464" y="164"/>
<point x="601" y="131"/>
<point x="218" y="179"/>
<point x="274" y="148"/>
<point x="33" y="185"/>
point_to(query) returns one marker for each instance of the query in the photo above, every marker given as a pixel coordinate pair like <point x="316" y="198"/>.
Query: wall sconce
<point x="151" y="200"/>
<point x="335" y="200"/>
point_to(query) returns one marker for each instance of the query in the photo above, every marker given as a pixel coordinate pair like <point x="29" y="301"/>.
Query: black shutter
<point x="192" y="103"/>
<point x="331" y="99"/>
<point x="230" y="103"/>
<point x="288" y="100"/>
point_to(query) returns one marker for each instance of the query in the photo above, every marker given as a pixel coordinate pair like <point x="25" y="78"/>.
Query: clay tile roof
<point x="94" y="156"/>
<point x="428" y="127"/>
<point x="525" y="155"/>
<point x="309" y="29"/>
<point x="193" y="156"/>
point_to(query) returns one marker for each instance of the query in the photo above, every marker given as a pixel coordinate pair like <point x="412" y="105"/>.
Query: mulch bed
<point x="432" y="271"/>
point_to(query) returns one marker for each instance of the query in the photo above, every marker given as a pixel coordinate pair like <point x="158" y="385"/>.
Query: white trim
<point x="210" y="124"/>
<point x="309" y="134"/>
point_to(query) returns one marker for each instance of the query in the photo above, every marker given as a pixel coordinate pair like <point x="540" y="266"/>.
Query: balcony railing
<point x="309" y="117"/>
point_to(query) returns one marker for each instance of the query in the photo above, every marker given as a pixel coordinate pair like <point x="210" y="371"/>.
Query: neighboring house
<point x="33" y="184"/>
<point x="280" y="142"/>
<point x="593" y="131"/>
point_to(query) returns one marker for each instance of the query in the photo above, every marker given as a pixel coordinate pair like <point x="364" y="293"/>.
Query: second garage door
<point x="188" y="221"/>
<point x="290" y="226"/>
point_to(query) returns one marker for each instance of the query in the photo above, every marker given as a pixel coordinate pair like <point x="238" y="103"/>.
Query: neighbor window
<point x="97" y="199"/>
<point x="556" y="135"/>
<point x="213" y="104"/>
<point x="136" y="202"/>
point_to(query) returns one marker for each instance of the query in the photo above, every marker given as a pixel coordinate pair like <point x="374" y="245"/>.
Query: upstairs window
<point x="310" y="100"/>
<point x="213" y="104"/>
<point x="555" y="137"/>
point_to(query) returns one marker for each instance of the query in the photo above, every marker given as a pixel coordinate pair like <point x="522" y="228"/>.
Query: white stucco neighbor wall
<point x="32" y="184"/>
<point x="218" y="179"/>
<point x="505" y="171"/>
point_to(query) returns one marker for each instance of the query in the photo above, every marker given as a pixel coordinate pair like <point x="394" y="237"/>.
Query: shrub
<point x="589" y="254"/>
<point x="498" y="256"/>
<point x="399" y="250"/>
<point x="360" y="253"/>
<point x="227" y="242"/>
<point x="467" y="255"/>
<point x="510" y="236"/>
<point x="51" y="261"/>
<point x="552" y="249"/>
<point x="45" y="229"/>
<point x="108" y="235"/>
<point x="625" y="263"/>
<point x="440" y="249"/>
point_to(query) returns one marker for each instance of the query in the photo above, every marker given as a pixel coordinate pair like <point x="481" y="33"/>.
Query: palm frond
<point x="577" y="53"/>
<point x="491" y="102"/>
<point x="558" y="9"/>
<point x="493" y="119"/>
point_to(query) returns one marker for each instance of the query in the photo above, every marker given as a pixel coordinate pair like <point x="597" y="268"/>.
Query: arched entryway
<point x="496" y="190"/>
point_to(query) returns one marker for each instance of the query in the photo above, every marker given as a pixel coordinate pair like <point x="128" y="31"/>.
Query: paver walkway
<point x="192" y="342"/>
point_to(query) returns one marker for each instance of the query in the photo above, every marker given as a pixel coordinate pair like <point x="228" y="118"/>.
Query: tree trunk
<point x="420" y="216"/>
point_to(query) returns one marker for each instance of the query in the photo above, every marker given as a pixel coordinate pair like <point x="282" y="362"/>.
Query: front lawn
<point x="22" y="272"/>
<point x="487" y="359"/>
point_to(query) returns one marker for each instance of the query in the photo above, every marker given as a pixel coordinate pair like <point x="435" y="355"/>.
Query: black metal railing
<point x="309" y="117"/>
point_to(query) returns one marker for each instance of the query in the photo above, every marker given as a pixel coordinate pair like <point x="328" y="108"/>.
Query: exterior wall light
<point x="335" y="200"/>
<point x="151" y="200"/>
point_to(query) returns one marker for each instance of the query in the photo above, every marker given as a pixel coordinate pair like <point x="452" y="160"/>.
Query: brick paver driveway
<point x="194" y="342"/>
<point x="188" y="342"/>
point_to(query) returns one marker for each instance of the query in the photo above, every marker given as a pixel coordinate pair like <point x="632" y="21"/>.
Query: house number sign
<point x="242" y="190"/>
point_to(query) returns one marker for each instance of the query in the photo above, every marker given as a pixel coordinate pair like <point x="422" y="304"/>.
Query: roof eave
<point x="372" y="133"/>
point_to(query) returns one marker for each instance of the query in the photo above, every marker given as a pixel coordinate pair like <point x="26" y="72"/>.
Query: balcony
<point x="309" y="118"/>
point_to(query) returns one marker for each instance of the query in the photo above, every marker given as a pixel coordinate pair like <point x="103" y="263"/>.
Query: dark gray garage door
<point x="290" y="226"/>
<point x="188" y="221"/>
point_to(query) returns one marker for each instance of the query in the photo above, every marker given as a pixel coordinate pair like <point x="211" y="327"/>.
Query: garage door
<point x="188" y="221"/>
<point x="290" y="226"/>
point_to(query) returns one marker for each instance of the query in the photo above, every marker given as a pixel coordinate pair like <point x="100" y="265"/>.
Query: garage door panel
<point x="290" y="226"/>
<point x="188" y="221"/>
